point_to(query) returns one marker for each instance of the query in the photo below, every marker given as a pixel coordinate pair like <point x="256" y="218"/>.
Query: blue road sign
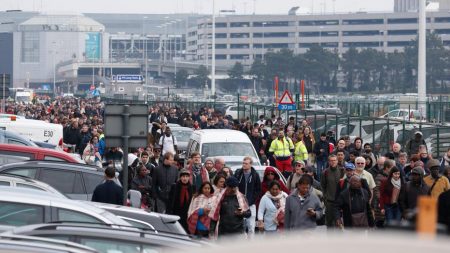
<point x="287" y="107"/>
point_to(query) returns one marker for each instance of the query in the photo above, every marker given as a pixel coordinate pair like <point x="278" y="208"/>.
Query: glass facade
<point x="30" y="47"/>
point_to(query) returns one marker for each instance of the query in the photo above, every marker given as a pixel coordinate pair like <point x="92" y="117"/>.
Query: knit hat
<point x="299" y="162"/>
<point x="433" y="163"/>
<point x="184" y="172"/>
<point x="209" y="159"/>
<point x="232" y="182"/>
<point x="417" y="170"/>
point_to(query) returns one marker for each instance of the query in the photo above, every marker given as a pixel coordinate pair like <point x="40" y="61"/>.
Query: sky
<point x="195" y="6"/>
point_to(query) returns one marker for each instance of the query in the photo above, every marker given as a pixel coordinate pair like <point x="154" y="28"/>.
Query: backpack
<point x="163" y="138"/>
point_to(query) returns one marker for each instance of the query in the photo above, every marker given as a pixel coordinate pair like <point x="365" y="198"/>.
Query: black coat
<point x="443" y="211"/>
<point x="162" y="179"/>
<point x="108" y="192"/>
<point x="71" y="135"/>
<point x="174" y="206"/>
<point x="360" y="201"/>
<point x="252" y="188"/>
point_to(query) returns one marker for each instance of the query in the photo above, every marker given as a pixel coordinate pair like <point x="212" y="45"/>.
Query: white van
<point x="232" y="145"/>
<point x="35" y="130"/>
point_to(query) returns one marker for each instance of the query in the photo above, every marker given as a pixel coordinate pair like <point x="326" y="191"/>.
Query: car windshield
<point x="182" y="135"/>
<point x="227" y="149"/>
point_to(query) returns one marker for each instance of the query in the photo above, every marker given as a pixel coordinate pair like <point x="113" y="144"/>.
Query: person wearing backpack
<point x="437" y="183"/>
<point x="168" y="142"/>
<point x="409" y="194"/>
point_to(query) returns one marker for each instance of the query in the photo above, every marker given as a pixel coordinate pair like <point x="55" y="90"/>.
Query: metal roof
<point x="74" y="23"/>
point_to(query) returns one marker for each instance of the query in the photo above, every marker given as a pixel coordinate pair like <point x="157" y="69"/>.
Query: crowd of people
<point x="308" y="182"/>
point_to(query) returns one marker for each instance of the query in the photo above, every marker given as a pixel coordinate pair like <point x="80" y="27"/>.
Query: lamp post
<point x="263" y="34"/>
<point x="213" y="58"/>
<point x="422" y="59"/>
<point x="54" y="68"/>
<point x="144" y="55"/>
<point x="320" y="35"/>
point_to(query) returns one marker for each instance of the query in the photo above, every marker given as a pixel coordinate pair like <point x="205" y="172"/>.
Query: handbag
<point x="358" y="219"/>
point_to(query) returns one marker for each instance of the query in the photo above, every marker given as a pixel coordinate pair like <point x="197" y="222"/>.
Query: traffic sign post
<point x="286" y="102"/>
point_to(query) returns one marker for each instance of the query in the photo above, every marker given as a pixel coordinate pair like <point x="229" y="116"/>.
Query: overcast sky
<point x="195" y="6"/>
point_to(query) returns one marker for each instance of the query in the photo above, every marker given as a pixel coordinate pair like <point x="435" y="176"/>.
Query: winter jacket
<point x="295" y="216"/>
<point x="329" y="181"/>
<point x="410" y="194"/>
<point x="250" y="188"/>
<point x="321" y="156"/>
<point x="359" y="203"/>
<point x="163" y="178"/>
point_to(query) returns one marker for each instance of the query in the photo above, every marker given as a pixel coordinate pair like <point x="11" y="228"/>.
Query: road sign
<point x="286" y="99"/>
<point x="287" y="107"/>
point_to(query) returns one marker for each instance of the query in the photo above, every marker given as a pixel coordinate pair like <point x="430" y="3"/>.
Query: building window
<point x="442" y="20"/>
<point x="442" y="31"/>
<point x="318" y="22"/>
<point x="221" y="46"/>
<point x="239" y="56"/>
<point x="318" y="34"/>
<point x="240" y="24"/>
<point x="221" y="25"/>
<point x="399" y="43"/>
<point x="361" y="44"/>
<point x="307" y="45"/>
<point x="361" y="33"/>
<point x="221" y="56"/>
<point x="239" y="46"/>
<point x="271" y="24"/>
<point x="271" y="45"/>
<point x="271" y="35"/>
<point x="362" y="21"/>
<point x="402" y="32"/>
<point x="239" y="35"/>
<point x="402" y="21"/>
<point x="221" y="35"/>
<point x="30" y="47"/>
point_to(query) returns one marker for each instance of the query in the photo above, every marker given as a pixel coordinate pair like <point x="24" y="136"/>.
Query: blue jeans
<point x="392" y="213"/>
<point x="321" y="166"/>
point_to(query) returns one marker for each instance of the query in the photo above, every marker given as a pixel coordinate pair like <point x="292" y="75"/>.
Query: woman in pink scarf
<point x="198" y="219"/>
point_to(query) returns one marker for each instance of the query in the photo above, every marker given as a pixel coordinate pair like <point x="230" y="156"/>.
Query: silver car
<point x="27" y="206"/>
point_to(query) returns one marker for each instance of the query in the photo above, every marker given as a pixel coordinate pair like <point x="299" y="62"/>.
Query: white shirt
<point x="169" y="144"/>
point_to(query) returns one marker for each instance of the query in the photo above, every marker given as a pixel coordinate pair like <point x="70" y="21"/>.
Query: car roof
<point x="53" y="164"/>
<point x="104" y="231"/>
<point x="29" y="196"/>
<point x="28" y="149"/>
<point x="10" y="134"/>
<point x="40" y="240"/>
<point x="36" y="247"/>
<point x="221" y="135"/>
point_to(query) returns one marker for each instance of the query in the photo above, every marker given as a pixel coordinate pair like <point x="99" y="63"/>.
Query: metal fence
<point x="356" y="118"/>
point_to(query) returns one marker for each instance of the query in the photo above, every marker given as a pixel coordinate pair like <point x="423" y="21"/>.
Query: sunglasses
<point x="298" y="165"/>
<point x="360" y="163"/>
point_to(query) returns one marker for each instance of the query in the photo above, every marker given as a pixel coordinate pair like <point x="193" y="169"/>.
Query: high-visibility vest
<point x="281" y="148"/>
<point x="300" y="153"/>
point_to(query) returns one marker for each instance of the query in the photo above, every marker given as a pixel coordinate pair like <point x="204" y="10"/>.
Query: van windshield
<point x="227" y="149"/>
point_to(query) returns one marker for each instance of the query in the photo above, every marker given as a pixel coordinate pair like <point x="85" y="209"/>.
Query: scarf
<point x="280" y="203"/>
<point x="446" y="159"/>
<point x="201" y="201"/>
<point x="184" y="194"/>
<point x="396" y="183"/>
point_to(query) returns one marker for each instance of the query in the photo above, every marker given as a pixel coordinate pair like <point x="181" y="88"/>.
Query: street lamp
<point x="213" y="60"/>
<point x="54" y="68"/>
<point x="320" y="35"/>
<point x="263" y="32"/>
<point x="144" y="55"/>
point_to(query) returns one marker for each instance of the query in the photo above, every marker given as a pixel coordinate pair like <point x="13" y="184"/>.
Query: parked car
<point x="28" y="183"/>
<point x="147" y="220"/>
<point x="28" y="206"/>
<point x="406" y="114"/>
<point x="182" y="134"/>
<point x="29" y="244"/>
<point x="77" y="181"/>
<point x="14" y="153"/>
<point x="232" y="145"/>
<point x="107" y="239"/>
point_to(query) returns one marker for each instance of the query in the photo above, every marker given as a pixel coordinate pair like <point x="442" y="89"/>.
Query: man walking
<point x="108" y="192"/>
<point x="282" y="148"/>
<point x="250" y="186"/>
<point x="330" y="181"/>
<point x="163" y="177"/>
